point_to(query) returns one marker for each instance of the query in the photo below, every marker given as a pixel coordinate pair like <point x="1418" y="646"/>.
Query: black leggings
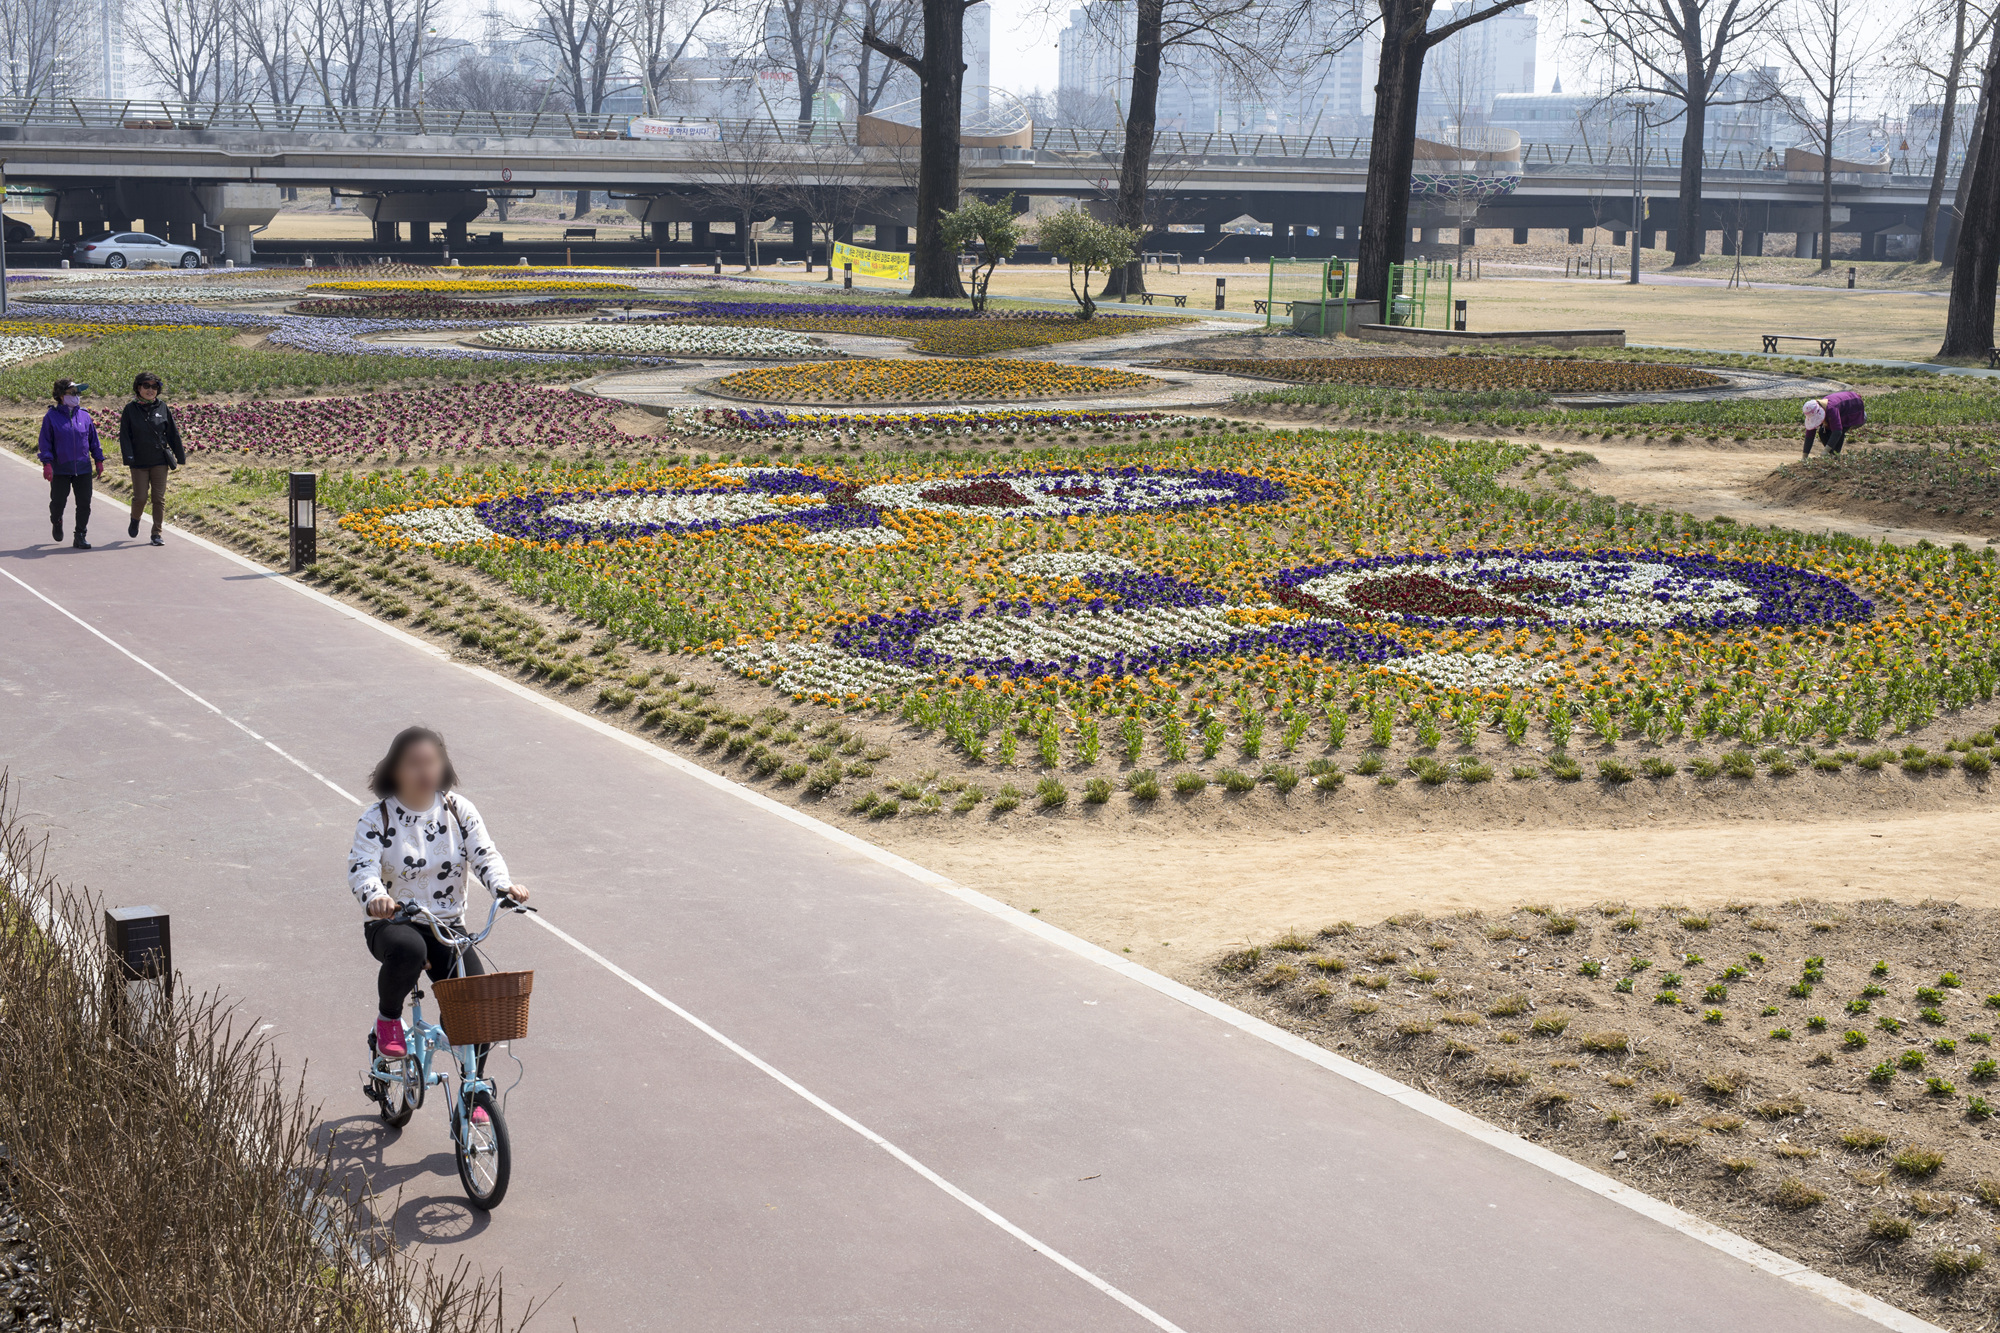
<point x="405" y="950"/>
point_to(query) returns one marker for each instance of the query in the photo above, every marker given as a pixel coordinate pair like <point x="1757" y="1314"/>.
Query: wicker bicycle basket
<point x="477" y="1010"/>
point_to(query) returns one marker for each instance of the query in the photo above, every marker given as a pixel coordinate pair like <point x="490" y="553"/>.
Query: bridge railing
<point x="1060" y="142"/>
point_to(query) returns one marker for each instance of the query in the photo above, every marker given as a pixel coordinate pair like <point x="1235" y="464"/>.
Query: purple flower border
<point x="1787" y="596"/>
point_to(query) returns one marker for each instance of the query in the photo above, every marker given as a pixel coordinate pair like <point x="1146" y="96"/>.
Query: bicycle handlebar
<point x="406" y="912"/>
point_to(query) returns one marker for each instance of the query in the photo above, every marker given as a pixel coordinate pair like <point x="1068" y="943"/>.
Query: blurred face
<point x="148" y="392"/>
<point x="419" y="774"/>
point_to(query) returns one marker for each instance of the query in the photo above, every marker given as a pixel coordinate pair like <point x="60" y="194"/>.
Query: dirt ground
<point x="1815" y="1074"/>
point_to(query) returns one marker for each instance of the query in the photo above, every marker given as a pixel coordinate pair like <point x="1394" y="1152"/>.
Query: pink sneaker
<point x="389" y="1038"/>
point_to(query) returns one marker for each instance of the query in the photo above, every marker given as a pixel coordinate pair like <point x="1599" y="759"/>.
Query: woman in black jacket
<point x="150" y="441"/>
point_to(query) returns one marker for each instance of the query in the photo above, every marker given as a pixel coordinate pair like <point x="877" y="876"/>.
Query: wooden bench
<point x="1146" y="298"/>
<point x="1771" y="341"/>
<point x="1260" y="307"/>
<point x="580" y="234"/>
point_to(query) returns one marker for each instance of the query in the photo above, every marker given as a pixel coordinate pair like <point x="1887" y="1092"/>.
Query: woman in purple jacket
<point x="1831" y="418"/>
<point x="70" y="454"/>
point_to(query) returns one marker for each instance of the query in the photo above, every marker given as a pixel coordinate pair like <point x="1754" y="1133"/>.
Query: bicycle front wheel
<point x="485" y="1159"/>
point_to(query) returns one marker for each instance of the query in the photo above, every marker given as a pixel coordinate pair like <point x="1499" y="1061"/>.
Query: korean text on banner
<point x="642" y="127"/>
<point x="872" y="263"/>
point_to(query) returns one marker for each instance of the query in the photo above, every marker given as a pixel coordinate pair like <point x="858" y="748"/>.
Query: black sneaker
<point x="55" y="526"/>
<point x="80" y="544"/>
<point x="157" y="540"/>
<point x="132" y="529"/>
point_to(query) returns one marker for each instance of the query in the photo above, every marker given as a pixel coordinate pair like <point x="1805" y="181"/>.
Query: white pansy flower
<point x="1047" y="494"/>
<point x="446" y="525"/>
<point x="654" y="340"/>
<point x="1620" y="590"/>
<point x="24" y="349"/>
<point x="817" y="668"/>
<point x="857" y="537"/>
<point x="695" y="507"/>
<point x="1069" y="564"/>
<point x="1470" y="671"/>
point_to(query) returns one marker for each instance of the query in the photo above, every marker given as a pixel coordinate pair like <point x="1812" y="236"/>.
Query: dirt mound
<point x="1917" y="487"/>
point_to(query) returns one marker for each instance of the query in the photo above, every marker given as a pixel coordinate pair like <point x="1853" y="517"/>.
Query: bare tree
<point x="1407" y="38"/>
<point x="799" y="38"/>
<point x="1229" y="39"/>
<point x="1690" y="52"/>
<point x="859" y="70"/>
<point x="184" y="45"/>
<point x="660" y="33"/>
<point x="478" y="84"/>
<point x="337" y="44"/>
<point x="583" y="42"/>
<point x="1968" y="325"/>
<point x="1939" y="47"/>
<point x="267" y="33"/>
<point x="748" y="180"/>
<point x="826" y="183"/>
<point x="34" y="36"/>
<point x="1823" y="41"/>
<point x="940" y="72"/>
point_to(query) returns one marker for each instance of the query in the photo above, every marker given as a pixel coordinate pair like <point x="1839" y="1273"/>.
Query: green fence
<point x="1302" y="280"/>
<point x="1412" y="288"/>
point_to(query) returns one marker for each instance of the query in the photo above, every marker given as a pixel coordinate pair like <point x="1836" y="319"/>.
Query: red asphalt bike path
<point x="1192" y="1176"/>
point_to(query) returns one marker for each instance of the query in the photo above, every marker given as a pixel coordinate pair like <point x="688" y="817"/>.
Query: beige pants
<point x="153" y="480"/>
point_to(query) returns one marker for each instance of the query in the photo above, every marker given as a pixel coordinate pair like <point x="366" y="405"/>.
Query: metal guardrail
<point x="1056" y="142"/>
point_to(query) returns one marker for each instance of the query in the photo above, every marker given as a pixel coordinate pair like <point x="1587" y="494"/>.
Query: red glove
<point x="48" y="472"/>
<point x="100" y="471"/>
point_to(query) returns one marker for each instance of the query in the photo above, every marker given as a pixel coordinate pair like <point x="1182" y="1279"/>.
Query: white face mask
<point x="71" y="400"/>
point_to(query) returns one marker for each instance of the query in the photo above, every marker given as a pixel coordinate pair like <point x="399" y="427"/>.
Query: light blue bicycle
<point x="485" y="1159"/>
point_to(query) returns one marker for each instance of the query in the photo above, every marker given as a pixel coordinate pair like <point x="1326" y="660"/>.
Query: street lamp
<point x="1639" y="110"/>
<point x="303" y="495"/>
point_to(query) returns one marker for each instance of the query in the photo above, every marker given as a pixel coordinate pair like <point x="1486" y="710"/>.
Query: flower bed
<point x="1233" y="583"/>
<point x="68" y="328"/>
<point x="468" y="420"/>
<point x="625" y="340"/>
<point x="932" y="330"/>
<point x="148" y="293"/>
<point x="930" y="381"/>
<point x="18" y="348"/>
<point x="470" y="286"/>
<point x="436" y="305"/>
<point x="1463" y="373"/>
<point x="766" y="423"/>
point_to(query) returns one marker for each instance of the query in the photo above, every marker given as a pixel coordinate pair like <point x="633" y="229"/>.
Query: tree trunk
<point x="1826" y="194"/>
<point x="1949" y="255"/>
<point x="1968" y="324"/>
<point x="1136" y="167"/>
<point x="1385" y="209"/>
<point x="1692" y="237"/>
<point x="1947" y="123"/>
<point x="933" y="268"/>
<point x="582" y="206"/>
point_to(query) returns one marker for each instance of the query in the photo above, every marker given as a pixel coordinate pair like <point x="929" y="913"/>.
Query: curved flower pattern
<point x="816" y="504"/>
<point x="655" y="340"/>
<point x="1060" y="493"/>
<point x="1587" y="589"/>
<point x="1138" y="623"/>
<point x="930" y="381"/>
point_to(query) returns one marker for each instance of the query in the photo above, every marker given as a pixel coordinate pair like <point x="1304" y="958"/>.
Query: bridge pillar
<point x="454" y="233"/>
<point x="701" y="241"/>
<point x="1729" y="235"/>
<point x="420" y="233"/>
<point x="385" y="232"/>
<point x="1520" y="235"/>
<point x="1618" y="239"/>
<point x="1807" y="245"/>
<point x="1468" y="236"/>
<point x="69" y="231"/>
<point x="1427" y="236"/>
<point x="1753" y="243"/>
<point x="802" y="234"/>
<point x="1649" y="237"/>
<point x="1576" y="236"/>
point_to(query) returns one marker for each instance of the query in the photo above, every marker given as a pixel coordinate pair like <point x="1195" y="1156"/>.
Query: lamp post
<point x="1639" y="110"/>
<point x="304" y="494"/>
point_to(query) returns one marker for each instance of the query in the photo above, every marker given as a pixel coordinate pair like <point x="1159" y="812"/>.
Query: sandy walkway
<point x="1173" y="901"/>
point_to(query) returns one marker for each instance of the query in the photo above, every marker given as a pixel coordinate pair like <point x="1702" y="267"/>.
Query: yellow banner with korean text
<point x="871" y="263"/>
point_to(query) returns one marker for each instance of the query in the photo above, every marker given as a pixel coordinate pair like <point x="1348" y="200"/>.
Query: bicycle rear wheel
<point x="485" y="1159"/>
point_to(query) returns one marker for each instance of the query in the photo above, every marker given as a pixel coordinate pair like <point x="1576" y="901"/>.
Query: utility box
<point x="1325" y="319"/>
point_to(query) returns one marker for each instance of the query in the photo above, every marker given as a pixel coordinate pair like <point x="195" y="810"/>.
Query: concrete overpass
<point x="213" y="173"/>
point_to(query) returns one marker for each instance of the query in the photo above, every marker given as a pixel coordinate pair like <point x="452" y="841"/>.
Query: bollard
<point x="809" y="259"/>
<point x="847" y="275"/>
<point x="1221" y="293"/>
<point x="566" y="259"/>
<point x="304" y="494"/>
<point x="718" y="261"/>
<point x="656" y="258"/>
<point x="1850" y="277"/>
<point x="1458" y="316"/>
<point x="140" y="949"/>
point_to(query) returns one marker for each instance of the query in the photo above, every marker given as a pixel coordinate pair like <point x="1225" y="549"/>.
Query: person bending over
<point x="1831" y="418"/>
<point x="417" y="844"/>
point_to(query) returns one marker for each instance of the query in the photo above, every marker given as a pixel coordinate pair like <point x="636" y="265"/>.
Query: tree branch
<point x="874" y="41"/>
<point x="1436" y="35"/>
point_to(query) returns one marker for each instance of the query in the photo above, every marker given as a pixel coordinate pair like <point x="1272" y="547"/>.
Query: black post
<point x="1850" y="277"/>
<point x="847" y="275"/>
<point x="1458" y="316"/>
<point x="3" y="239"/>
<point x="304" y="493"/>
<point x="718" y="261"/>
<point x="1221" y="293"/>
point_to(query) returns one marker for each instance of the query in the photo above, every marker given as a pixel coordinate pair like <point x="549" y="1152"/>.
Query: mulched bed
<point x="23" y="1305"/>
<point x="1467" y="373"/>
<point x="1647" y="1044"/>
<point x="1958" y="489"/>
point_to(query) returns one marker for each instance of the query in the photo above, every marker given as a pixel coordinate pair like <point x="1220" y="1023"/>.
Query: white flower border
<point x="1629" y="599"/>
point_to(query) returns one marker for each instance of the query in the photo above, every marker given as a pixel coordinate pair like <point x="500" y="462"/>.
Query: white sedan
<point x="123" y="249"/>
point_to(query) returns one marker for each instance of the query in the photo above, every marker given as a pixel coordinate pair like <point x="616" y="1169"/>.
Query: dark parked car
<point x="19" y="231"/>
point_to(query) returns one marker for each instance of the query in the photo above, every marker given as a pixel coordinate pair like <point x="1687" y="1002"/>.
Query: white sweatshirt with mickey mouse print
<point x="420" y="856"/>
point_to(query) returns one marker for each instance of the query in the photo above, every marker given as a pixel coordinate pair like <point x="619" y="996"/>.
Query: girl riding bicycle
<point x="414" y="846"/>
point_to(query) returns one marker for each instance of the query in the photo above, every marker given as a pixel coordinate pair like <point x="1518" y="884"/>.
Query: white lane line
<point x="743" y="1053"/>
<point x="1658" y="1210"/>
<point x="269" y="745"/>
